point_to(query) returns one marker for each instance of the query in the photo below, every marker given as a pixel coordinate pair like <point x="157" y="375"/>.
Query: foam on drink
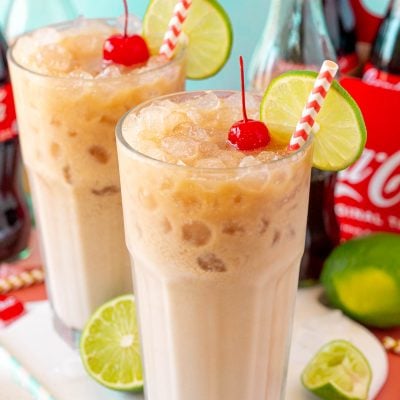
<point x="76" y="51"/>
<point x="194" y="133"/>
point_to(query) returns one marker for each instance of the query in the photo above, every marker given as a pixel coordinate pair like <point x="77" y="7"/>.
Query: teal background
<point x="4" y="4"/>
<point x="248" y="22"/>
<point x="247" y="16"/>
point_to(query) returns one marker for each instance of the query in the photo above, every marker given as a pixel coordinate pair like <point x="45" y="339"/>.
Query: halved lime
<point x="339" y="371"/>
<point x="207" y="27"/>
<point x="341" y="134"/>
<point x="362" y="278"/>
<point x="109" y="346"/>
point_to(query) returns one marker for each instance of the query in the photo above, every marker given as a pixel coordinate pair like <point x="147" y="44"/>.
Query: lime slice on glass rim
<point x="340" y="135"/>
<point x="109" y="346"/>
<point x="339" y="371"/>
<point x="207" y="28"/>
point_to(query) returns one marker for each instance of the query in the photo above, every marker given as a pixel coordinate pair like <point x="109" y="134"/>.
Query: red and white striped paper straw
<point x="314" y="103"/>
<point x="175" y="28"/>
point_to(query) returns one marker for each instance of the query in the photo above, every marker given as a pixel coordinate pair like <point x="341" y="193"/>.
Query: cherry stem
<point x="243" y="89"/>
<point x="126" y="18"/>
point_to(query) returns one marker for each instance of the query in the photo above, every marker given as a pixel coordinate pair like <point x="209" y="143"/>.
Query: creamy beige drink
<point x="216" y="236"/>
<point x="68" y="103"/>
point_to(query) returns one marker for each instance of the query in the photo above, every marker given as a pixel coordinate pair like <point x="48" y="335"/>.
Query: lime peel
<point x="338" y="371"/>
<point x="361" y="277"/>
<point x="341" y="136"/>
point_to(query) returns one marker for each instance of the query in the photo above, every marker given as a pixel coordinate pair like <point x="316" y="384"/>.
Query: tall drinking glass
<point x="215" y="238"/>
<point x="68" y="103"/>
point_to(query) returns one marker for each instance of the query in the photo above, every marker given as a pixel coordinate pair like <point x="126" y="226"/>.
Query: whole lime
<point x="362" y="278"/>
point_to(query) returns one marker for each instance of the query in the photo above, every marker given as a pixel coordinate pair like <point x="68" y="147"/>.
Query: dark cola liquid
<point x="386" y="49"/>
<point x="14" y="217"/>
<point x="323" y="232"/>
<point x="341" y="24"/>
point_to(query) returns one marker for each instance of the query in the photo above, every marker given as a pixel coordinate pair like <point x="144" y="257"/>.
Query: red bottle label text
<point x="376" y="77"/>
<point x="367" y="197"/>
<point x="371" y="188"/>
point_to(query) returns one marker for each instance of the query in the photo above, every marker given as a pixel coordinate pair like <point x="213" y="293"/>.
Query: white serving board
<point x="33" y="342"/>
<point x="315" y="325"/>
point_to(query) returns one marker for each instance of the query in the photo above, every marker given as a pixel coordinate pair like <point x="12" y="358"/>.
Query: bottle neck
<point x="312" y="43"/>
<point x="395" y="9"/>
<point x="3" y="61"/>
<point x="295" y="37"/>
<point x="385" y="54"/>
<point x="341" y="25"/>
<point x="301" y="29"/>
<point x="316" y="13"/>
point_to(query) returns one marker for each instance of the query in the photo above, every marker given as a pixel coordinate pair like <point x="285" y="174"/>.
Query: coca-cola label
<point x="376" y="77"/>
<point x="367" y="196"/>
<point x="8" y="124"/>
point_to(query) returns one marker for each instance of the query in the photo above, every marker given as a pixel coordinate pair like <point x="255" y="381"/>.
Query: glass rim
<point x="134" y="152"/>
<point x="12" y="60"/>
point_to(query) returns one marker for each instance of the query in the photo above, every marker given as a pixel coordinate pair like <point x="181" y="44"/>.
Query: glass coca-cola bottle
<point x="384" y="66"/>
<point x="323" y="230"/>
<point x="341" y="23"/>
<point x="296" y="37"/>
<point x="14" y="217"/>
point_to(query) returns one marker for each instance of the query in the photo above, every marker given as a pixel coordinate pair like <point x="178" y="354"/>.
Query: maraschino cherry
<point x="124" y="49"/>
<point x="248" y="134"/>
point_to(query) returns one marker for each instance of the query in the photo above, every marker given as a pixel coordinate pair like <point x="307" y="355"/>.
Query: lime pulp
<point x="109" y="346"/>
<point x="340" y="134"/>
<point x="339" y="371"/>
<point x="207" y="28"/>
